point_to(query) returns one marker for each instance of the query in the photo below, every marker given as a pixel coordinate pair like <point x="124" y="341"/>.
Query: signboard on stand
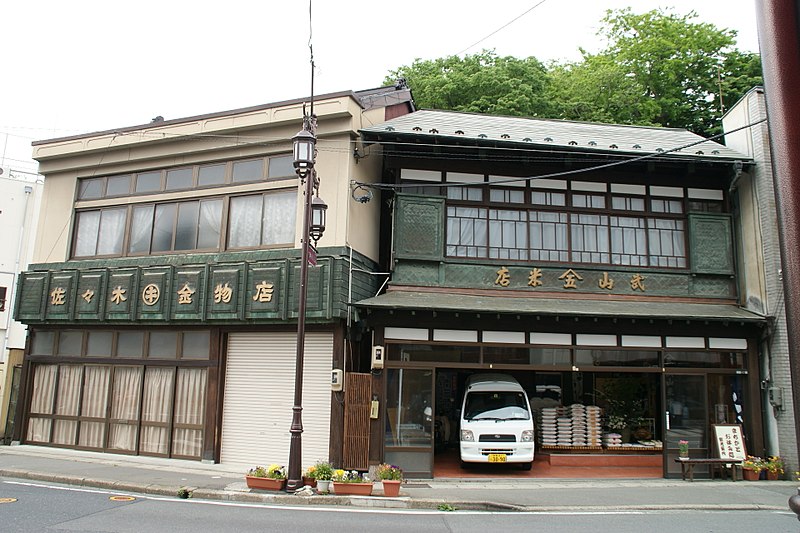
<point x="730" y="441"/>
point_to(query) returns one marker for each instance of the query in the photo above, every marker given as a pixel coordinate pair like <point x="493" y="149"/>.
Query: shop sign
<point x="570" y="279"/>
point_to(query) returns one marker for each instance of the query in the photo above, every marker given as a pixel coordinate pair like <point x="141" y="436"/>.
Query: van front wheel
<point x="525" y="466"/>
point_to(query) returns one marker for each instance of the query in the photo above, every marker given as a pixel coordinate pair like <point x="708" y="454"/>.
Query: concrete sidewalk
<point x="166" y="477"/>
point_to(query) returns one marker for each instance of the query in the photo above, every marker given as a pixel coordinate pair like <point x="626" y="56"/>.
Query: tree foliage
<point x="480" y="83"/>
<point x="657" y="68"/>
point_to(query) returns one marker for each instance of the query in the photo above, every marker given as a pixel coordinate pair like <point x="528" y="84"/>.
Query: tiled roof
<point x="455" y="127"/>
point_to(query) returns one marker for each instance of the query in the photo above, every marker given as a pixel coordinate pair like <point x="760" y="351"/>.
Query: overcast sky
<point x="80" y="66"/>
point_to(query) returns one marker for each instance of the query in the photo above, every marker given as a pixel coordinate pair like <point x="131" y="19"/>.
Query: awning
<point x="437" y="301"/>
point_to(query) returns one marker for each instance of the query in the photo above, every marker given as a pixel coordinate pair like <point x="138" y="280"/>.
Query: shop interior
<point x="629" y="403"/>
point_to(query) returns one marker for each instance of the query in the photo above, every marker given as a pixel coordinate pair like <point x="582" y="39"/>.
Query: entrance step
<point x="602" y="459"/>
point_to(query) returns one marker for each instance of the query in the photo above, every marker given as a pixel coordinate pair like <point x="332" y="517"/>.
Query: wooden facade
<point x="472" y="293"/>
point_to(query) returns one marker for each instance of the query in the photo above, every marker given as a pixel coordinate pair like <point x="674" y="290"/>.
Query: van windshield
<point x="496" y="405"/>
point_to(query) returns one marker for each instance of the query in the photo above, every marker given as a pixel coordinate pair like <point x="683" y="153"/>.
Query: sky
<point x="71" y="67"/>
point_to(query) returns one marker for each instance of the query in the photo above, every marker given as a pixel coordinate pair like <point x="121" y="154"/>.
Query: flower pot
<point x="391" y="487"/>
<point x="324" y="485"/>
<point x="352" y="489"/>
<point x="772" y="476"/>
<point x="265" y="483"/>
<point x="750" y="475"/>
<point x="310" y="481"/>
<point x="683" y="453"/>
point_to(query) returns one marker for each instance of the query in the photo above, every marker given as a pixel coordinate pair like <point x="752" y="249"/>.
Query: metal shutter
<point x="259" y="393"/>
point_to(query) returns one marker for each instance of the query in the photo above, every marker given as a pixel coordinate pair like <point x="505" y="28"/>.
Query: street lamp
<point x="304" y="145"/>
<point x="313" y="227"/>
<point x="318" y="209"/>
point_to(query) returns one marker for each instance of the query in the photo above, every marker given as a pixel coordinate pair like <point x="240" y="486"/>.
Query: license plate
<point x="497" y="458"/>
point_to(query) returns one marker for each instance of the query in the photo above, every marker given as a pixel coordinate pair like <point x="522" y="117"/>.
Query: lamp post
<point x="313" y="227"/>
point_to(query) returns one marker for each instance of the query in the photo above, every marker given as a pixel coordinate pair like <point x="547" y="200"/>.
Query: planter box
<point x="353" y="489"/>
<point x="310" y="481"/>
<point x="265" y="483"/>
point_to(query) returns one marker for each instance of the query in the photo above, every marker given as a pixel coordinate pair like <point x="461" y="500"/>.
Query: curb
<point x="374" y="502"/>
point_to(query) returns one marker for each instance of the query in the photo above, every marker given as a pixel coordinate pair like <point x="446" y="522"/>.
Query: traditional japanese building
<point x="600" y="265"/>
<point x="162" y="301"/>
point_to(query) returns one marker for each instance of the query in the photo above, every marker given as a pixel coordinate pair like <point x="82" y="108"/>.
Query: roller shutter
<point x="259" y="393"/>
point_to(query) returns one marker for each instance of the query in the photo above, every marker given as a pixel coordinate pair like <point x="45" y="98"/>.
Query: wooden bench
<point x="717" y="465"/>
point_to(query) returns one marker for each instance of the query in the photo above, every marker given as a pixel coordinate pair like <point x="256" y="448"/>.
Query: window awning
<point x="437" y="301"/>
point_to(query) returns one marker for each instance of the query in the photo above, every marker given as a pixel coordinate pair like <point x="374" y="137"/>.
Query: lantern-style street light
<point x="318" y="209"/>
<point x="313" y="227"/>
<point x="304" y="152"/>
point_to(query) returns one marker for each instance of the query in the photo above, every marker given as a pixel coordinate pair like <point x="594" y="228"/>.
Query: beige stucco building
<point x="162" y="299"/>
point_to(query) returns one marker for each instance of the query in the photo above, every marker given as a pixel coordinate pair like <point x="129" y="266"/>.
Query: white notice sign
<point x="730" y="442"/>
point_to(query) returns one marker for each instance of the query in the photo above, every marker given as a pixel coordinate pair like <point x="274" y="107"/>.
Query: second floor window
<point x="262" y="219"/>
<point x="532" y="235"/>
<point x="175" y="227"/>
<point x="257" y="220"/>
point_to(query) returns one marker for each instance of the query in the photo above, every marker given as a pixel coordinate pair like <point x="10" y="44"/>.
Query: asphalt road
<point x="40" y="507"/>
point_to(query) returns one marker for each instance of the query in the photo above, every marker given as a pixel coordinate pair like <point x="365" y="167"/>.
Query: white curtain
<point x="125" y="408"/>
<point x="95" y="402"/>
<point x="245" y="221"/>
<point x="279" y="218"/>
<point x="156" y="402"/>
<point x="210" y="224"/>
<point x="88" y="229"/>
<point x="190" y="395"/>
<point x="69" y="394"/>
<point x="112" y="232"/>
<point x="44" y="381"/>
<point x="141" y="229"/>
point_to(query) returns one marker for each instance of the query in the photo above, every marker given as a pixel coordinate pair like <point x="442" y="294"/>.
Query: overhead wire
<point x="504" y="26"/>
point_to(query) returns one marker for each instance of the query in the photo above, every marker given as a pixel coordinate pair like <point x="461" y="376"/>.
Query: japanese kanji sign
<point x="730" y="441"/>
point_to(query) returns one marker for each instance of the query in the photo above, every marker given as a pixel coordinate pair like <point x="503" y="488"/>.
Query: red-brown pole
<point x="780" y="55"/>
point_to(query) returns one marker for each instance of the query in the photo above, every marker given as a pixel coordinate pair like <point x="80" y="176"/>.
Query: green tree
<point x="597" y="89"/>
<point x="678" y="64"/>
<point x="657" y="68"/>
<point x="740" y="72"/>
<point x="480" y="83"/>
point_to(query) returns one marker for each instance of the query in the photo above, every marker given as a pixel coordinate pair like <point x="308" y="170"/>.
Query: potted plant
<point x="310" y="477"/>
<point x="351" y="482"/>
<point x="391" y="476"/>
<point x="752" y="467"/>
<point x="323" y="473"/>
<point x="774" y="467"/>
<point x="683" y="448"/>
<point x="271" y="478"/>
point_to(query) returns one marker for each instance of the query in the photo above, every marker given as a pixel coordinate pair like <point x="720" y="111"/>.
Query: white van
<point x="496" y="421"/>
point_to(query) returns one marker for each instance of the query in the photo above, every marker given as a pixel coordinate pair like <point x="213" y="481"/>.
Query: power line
<point x="502" y="27"/>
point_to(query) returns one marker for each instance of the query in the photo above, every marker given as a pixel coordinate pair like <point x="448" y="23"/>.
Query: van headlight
<point x="466" y="435"/>
<point x="527" y="436"/>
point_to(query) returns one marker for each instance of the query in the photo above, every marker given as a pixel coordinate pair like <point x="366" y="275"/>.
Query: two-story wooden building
<point x="162" y="302"/>
<point x="595" y="263"/>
